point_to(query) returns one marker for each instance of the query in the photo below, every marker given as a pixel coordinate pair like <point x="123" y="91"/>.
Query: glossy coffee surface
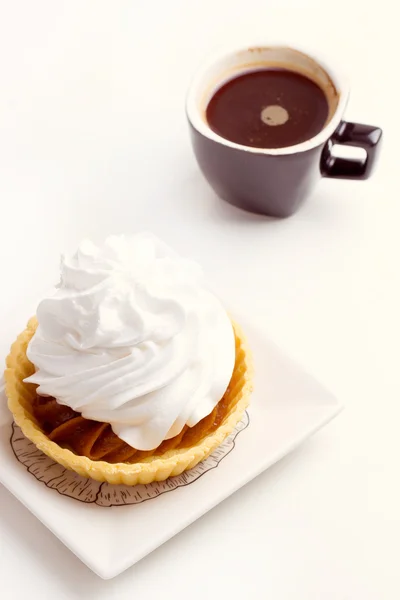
<point x="268" y="108"/>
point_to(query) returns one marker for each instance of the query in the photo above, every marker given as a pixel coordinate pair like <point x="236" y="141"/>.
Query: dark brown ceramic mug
<point x="275" y="181"/>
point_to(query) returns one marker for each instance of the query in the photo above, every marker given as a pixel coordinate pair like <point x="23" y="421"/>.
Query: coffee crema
<point x="268" y="108"/>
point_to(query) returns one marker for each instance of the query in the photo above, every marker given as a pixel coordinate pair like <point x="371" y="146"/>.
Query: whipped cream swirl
<point x="132" y="337"/>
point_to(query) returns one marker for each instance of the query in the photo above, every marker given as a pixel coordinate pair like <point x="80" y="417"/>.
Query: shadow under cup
<point x="275" y="181"/>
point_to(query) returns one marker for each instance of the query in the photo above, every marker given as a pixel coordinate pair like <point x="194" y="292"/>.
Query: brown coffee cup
<point x="275" y="181"/>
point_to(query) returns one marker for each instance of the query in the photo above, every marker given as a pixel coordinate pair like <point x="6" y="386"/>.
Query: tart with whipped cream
<point x="131" y="371"/>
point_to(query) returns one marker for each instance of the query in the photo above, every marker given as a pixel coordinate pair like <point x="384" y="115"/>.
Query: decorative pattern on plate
<point x="68" y="483"/>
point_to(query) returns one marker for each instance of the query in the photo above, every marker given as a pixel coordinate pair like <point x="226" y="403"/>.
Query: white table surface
<point x="93" y="140"/>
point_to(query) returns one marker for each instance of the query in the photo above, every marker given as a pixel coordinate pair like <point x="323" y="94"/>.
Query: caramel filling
<point x="97" y="440"/>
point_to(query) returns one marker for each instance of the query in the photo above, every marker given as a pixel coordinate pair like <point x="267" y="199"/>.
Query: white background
<point x="93" y="140"/>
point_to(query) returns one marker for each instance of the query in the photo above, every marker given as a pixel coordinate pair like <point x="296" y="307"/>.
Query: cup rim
<point x="337" y="77"/>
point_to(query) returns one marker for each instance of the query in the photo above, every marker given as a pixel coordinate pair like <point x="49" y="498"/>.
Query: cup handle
<point x="351" y="134"/>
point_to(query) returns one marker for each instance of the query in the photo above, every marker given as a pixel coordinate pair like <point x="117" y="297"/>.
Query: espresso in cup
<point x="268" y="108"/>
<point x="263" y="123"/>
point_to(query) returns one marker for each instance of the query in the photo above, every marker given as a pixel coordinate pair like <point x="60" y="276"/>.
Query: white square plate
<point x="111" y="527"/>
